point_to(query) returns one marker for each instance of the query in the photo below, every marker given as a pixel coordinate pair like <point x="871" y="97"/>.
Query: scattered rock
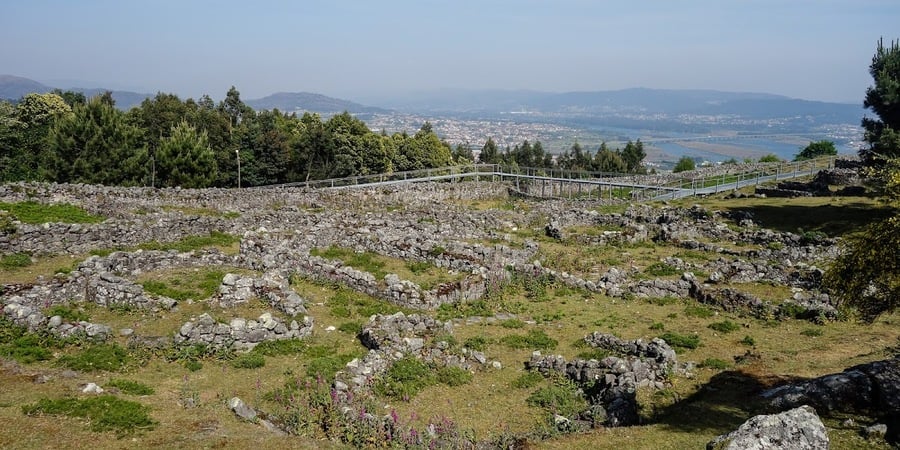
<point x="796" y="429"/>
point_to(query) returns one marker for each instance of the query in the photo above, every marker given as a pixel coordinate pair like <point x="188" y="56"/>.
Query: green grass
<point x="512" y="323"/>
<point x="191" y="243"/>
<point x="130" y="387"/>
<point x="535" y="339"/>
<point x="477" y="343"/>
<point x="249" y="361"/>
<point x="15" y="261"/>
<point x="405" y="378"/>
<point x="192" y="285"/>
<point x="68" y="313"/>
<point x="97" y="357"/>
<point x="561" y="397"/>
<point x="105" y="412"/>
<point x="714" y="363"/>
<point x="453" y="376"/>
<point x="699" y="311"/>
<point x="527" y="380"/>
<point x="725" y="327"/>
<point x="365" y="261"/>
<point x="280" y="347"/>
<point x="35" y="213"/>
<point x="346" y="303"/>
<point x="660" y="269"/>
<point x="26" y="348"/>
<point x="681" y="341"/>
<point x="812" y="332"/>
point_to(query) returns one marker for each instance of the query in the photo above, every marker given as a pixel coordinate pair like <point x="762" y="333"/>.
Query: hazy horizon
<point x="364" y="51"/>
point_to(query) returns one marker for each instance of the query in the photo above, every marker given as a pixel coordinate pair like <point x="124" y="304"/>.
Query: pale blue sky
<point x="364" y="49"/>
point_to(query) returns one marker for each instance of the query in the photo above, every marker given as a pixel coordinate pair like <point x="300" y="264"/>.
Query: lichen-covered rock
<point x="795" y="429"/>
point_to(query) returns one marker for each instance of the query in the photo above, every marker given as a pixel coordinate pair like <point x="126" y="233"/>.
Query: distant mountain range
<point x="13" y="88"/>
<point x="626" y="104"/>
<point x="633" y="101"/>
<point x="306" y="101"/>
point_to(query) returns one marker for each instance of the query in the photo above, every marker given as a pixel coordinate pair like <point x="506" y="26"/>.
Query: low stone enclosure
<point x="483" y="249"/>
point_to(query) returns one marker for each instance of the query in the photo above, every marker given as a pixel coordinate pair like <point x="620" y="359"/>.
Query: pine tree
<point x="96" y="145"/>
<point x="883" y="98"/>
<point x="185" y="159"/>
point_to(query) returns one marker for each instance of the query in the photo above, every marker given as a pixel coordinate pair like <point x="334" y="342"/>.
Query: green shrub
<point x="512" y="323"/>
<point x="449" y="311"/>
<point x="418" y="267"/>
<point x="105" y="412"/>
<point x="713" y="363"/>
<point x="34" y="212"/>
<point x="25" y="348"/>
<point x="67" y="313"/>
<point x="677" y="340"/>
<point x="130" y="387"/>
<point x="660" y="269"/>
<point x="249" y="361"/>
<point x="812" y="332"/>
<point x="562" y="397"/>
<point x="748" y="341"/>
<point x="478" y="343"/>
<point x="108" y="357"/>
<point x="340" y="311"/>
<point x="405" y="378"/>
<point x="594" y="353"/>
<point x="657" y="326"/>
<point x="527" y="380"/>
<point x="15" y="261"/>
<point x="663" y="301"/>
<point x="193" y="365"/>
<point x="792" y="310"/>
<point x="535" y="339"/>
<point x="700" y="311"/>
<point x="325" y="367"/>
<point x="453" y="376"/>
<point x="724" y="327"/>
<point x="353" y="328"/>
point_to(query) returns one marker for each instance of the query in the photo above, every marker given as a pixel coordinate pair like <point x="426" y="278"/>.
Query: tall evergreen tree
<point x="634" y="155"/>
<point x="185" y="159"/>
<point x="883" y="98"/>
<point x="489" y="153"/>
<point x="96" y="145"/>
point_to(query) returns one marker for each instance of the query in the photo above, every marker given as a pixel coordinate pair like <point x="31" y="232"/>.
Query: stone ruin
<point x="610" y="384"/>
<point x="278" y="228"/>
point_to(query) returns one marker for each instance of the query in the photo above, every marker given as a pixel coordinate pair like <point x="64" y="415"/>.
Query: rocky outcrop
<point x="795" y="429"/>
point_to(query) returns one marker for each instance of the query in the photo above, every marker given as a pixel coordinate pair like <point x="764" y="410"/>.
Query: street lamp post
<point x="238" y="154"/>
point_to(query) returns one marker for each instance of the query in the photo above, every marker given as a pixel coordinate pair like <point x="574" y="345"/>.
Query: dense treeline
<point x="627" y="160"/>
<point x="166" y="141"/>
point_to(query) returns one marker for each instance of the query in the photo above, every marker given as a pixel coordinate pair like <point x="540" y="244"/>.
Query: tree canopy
<point x="684" y="164"/>
<point x="883" y="133"/>
<point x="816" y="149"/>
<point x="866" y="274"/>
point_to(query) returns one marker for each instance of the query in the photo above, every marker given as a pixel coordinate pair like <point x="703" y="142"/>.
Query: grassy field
<point x="187" y="393"/>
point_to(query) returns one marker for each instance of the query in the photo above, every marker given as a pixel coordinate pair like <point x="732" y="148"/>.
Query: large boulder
<point x="795" y="429"/>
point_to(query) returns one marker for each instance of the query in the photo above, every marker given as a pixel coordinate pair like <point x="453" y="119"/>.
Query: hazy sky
<point x="363" y="49"/>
